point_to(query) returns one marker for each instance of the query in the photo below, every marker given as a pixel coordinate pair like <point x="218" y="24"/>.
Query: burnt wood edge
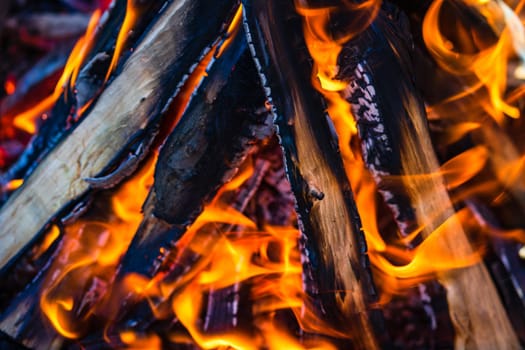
<point x="402" y="116"/>
<point x="225" y="108"/>
<point x="90" y="84"/>
<point x="225" y="117"/>
<point x="284" y="66"/>
<point x="171" y="80"/>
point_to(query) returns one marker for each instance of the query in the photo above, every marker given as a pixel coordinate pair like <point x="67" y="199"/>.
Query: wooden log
<point x="225" y="117"/>
<point x="326" y="208"/>
<point x="395" y="114"/>
<point x="92" y="77"/>
<point x="121" y="115"/>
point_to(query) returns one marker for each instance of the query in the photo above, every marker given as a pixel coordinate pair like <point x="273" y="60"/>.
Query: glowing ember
<point x="258" y="266"/>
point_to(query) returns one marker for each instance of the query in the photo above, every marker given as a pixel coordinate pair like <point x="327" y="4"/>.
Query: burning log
<point x="214" y="135"/>
<point x="395" y="141"/>
<point x="328" y="216"/>
<point x="155" y="69"/>
<point x="219" y="127"/>
<point x="192" y="247"/>
<point x="217" y="130"/>
<point x="87" y="71"/>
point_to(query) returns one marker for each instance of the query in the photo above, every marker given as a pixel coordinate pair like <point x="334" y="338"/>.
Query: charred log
<point x="223" y="120"/>
<point x="327" y="212"/>
<point x="392" y="126"/>
<point x="159" y="64"/>
<point x="67" y="111"/>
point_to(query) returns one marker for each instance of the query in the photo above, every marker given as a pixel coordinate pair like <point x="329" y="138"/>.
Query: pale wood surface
<point x="136" y="96"/>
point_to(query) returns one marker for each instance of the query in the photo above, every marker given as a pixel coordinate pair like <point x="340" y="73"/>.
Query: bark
<point x="204" y="151"/>
<point x="120" y="117"/>
<point x="326" y="208"/>
<point x="64" y="115"/>
<point x="392" y="125"/>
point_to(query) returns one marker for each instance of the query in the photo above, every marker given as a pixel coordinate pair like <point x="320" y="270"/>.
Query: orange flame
<point x="12" y="185"/>
<point x="429" y="257"/>
<point x="269" y="258"/>
<point x="91" y="252"/>
<point x="489" y="64"/>
<point x="127" y="25"/>
<point x="27" y="120"/>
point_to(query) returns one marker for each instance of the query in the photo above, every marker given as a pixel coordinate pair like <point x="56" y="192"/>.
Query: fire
<point x="93" y="249"/>
<point x="268" y="261"/>
<point x="230" y="250"/>
<point x="90" y="255"/>
<point x="27" y="120"/>
<point x="489" y="61"/>
<point x="397" y="266"/>
<point x="127" y="25"/>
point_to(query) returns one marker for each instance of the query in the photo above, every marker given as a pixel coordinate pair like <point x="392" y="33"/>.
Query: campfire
<point x="262" y="174"/>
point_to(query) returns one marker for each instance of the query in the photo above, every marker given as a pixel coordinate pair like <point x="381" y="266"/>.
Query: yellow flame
<point x="13" y="185"/>
<point x="27" y="120"/>
<point x="127" y="25"/>
<point x="489" y="65"/>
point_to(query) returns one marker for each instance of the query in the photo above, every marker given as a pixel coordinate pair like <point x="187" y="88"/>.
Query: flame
<point x="488" y="64"/>
<point x="28" y="119"/>
<point x="49" y="238"/>
<point x="134" y="342"/>
<point x="232" y="30"/>
<point x="268" y="260"/>
<point x="396" y="266"/>
<point x="92" y="250"/>
<point x="127" y="25"/>
<point x="13" y="185"/>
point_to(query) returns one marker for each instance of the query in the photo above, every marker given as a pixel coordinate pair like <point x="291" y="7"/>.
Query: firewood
<point x="326" y="208"/>
<point x="120" y="116"/>
<point x="65" y="114"/>
<point x="203" y="152"/>
<point x="225" y="117"/>
<point x="395" y="114"/>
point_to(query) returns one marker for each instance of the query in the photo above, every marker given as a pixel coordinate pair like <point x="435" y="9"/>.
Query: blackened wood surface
<point x="129" y="107"/>
<point x="63" y="118"/>
<point x="392" y="124"/>
<point x="225" y="117"/>
<point x="326" y="208"/>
